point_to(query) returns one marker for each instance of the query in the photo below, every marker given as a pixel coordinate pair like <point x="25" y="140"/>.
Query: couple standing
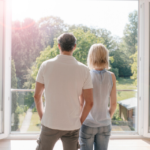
<point x="76" y="99"/>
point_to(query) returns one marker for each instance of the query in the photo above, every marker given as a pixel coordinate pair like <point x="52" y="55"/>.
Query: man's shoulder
<point x="82" y="66"/>
<point x="48" y="61"/>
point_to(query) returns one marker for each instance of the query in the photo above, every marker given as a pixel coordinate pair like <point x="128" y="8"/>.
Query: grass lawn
<point x="35" y="123"/>
<point x="21" y="118"/>
<point x="122" y="95"/>
<point x="125" y="84"/>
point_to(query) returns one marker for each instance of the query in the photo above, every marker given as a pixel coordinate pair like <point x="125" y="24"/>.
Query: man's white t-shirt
<point x="64" y="78"/>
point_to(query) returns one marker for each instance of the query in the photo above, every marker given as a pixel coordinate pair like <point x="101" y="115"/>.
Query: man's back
<point x="64" y="78"/>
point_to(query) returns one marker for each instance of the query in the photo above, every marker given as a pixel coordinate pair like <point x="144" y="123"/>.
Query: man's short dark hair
<point x="67" y="41"/>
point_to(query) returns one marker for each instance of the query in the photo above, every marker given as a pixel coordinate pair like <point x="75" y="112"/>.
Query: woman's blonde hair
<point x="98" y="57"/>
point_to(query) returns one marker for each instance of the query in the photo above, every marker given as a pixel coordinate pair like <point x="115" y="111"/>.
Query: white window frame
<point x="1" y="66"/>
<point x="6" y="66"/>
<point x="143" y="75"/>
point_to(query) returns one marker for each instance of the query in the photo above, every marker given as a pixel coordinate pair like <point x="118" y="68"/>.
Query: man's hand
<point x="39" y="88"/>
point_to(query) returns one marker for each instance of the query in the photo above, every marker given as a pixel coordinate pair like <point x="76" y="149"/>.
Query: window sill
<point x="114" y="135"/>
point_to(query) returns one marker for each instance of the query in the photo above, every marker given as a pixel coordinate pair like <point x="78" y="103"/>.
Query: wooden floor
<point x="122" y="144"/>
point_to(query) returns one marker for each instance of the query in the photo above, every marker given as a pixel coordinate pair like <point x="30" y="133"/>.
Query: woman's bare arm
<point x="113" y="97"/>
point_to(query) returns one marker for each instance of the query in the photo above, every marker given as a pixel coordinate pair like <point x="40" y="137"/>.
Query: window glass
<point x="24" y="117"/>
<point x="34" y="33"/>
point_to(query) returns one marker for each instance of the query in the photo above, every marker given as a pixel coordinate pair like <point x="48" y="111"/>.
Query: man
<point x="64" y="80"/>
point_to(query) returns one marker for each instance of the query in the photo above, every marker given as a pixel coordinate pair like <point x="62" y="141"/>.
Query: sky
<point x="111" y="15"/>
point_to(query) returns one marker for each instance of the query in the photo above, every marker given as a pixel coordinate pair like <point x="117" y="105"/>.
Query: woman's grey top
<point x="102" y="86"/>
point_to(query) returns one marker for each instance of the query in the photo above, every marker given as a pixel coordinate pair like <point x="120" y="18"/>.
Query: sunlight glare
<point x="97" y="14"/>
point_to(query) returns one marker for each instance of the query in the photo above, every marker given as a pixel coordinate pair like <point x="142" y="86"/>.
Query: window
<point x="34" y="41"/>
<point x="23" y="74"/>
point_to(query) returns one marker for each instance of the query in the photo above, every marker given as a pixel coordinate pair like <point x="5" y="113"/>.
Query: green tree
<point x="28" y="39"/>
<point x="134" y="67"/>
<point x="114" y="70"/>
<point x="50" y="28"/>
<point x="84" y="41"/>
<point x="129" y="42"/>
<point x="25" y="47"/>
<point x="15" y="115"/>
<point x="126" y="47"/>
<point x="109" y="41"/>
<point x="122" y="63"/>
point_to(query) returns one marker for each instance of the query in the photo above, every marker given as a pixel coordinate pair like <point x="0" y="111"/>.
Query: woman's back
<point x="96" y="128"/>
<point x="102" y="86"/>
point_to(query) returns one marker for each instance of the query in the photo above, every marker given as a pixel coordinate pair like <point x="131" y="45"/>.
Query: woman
<point x="96" y="128"/>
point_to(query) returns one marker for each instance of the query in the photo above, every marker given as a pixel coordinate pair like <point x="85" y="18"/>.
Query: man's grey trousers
<point x="49" y="137"/>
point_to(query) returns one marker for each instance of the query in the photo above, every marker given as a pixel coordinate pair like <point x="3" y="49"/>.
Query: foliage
<point x="28" y="99"/>
<point x="134" y="67"/>
<point x="84" y="41"/>
<point x="34" y="109"/>
<point x="25" y="47"/>
<point x="13" y="75"/>
<point x="21" y="109"/>
<point x="30" y="37"/>
<point x="116" y="116"/>
<point x="15" y="117"/>
<point x="121" y="62"/>
<point x="129" y="42"/>
<point x="115" y="71"/>
<point x="109" y="41"/>
<point x="50" y="28"/>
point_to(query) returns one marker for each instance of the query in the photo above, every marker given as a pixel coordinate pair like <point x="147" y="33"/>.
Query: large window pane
<point x="1" y="66"/>
<point x="24" y="116"/>
<point x="113" y="23"/>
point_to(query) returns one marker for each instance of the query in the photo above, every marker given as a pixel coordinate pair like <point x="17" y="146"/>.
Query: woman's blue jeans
<point x="99" y="137"/>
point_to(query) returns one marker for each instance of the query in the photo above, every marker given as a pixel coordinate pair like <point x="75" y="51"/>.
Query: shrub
<point x="115" y="71"/>
<point x="21" y="109"/>
<point x="34" y="109"/>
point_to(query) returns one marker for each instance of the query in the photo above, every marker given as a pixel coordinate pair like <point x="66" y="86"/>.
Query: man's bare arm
<point x="39" y="88"/>
<point x="81" y="99"/>
<point x="88" y="97"/>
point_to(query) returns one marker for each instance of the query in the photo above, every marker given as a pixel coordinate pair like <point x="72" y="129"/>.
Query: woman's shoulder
<point x="113" y="75"/>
